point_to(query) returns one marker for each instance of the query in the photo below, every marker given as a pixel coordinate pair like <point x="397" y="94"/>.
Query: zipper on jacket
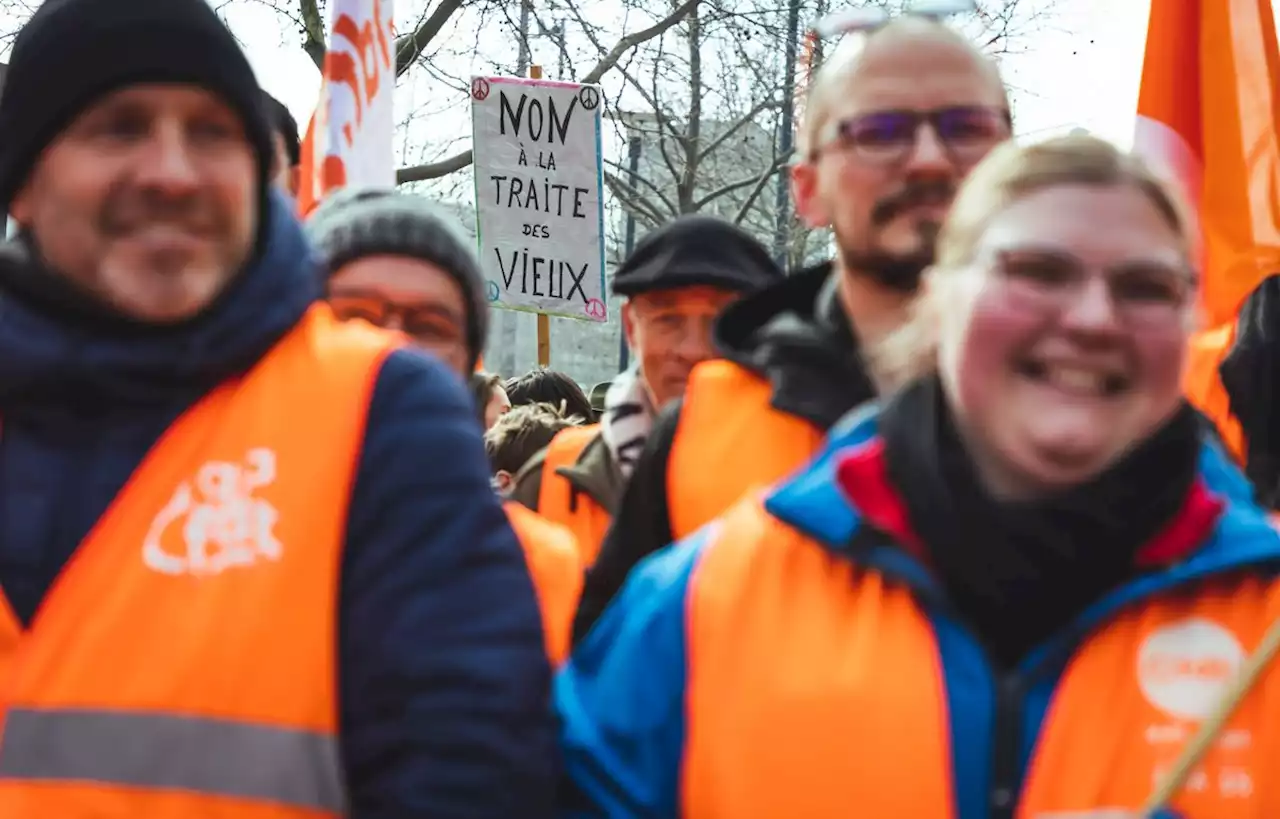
<point x="1011" y="687"/>
<point x="1006" y="762"/>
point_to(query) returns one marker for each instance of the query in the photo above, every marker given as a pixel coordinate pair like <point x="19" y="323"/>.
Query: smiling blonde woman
<point x="1015" y="589"/>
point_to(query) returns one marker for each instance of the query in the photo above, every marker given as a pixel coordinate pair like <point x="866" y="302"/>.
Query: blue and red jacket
<point x="796" y="658"/>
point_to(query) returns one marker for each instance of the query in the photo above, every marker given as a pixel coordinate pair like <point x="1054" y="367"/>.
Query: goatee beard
<point x="900" y="273"/>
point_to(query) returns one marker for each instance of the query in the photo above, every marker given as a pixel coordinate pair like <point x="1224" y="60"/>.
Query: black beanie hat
<point x="354" y="224"/>
<point x="72" y="52"/>
<point x="696" y="250"/>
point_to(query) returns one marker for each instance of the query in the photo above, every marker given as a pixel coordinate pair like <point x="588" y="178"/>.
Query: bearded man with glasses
<point x="896" y="117"/>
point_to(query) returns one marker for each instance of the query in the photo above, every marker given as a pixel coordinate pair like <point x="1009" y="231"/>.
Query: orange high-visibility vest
<point x="560" y="503"/>
<point x="819" y="693"/>
<point x="709" y="468"/>
<point x="183" y="663"/>
<point x="556" y="567"/>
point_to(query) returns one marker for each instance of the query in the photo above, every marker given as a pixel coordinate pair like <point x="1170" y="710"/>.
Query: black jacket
<point x="1251" y="376"/>
<point x="795" y="335"/>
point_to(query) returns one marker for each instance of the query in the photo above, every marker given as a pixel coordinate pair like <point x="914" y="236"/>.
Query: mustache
<point x="128" y="208"/>
<point x="924" y="192"/>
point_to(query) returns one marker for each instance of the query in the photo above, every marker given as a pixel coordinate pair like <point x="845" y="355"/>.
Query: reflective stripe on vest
<point x="190" y="641"/>
<point x="819" y="690"/>
<point x="209" y="756"/>
<point x="559" y="503"/>
<point x="727" y="420"/>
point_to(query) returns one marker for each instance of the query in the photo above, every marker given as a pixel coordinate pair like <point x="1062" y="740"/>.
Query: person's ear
<point x="20" y="207"/>
<point x="629" y="324"/>
<point x="503" y="480"/>
<point x="804" y="193"/>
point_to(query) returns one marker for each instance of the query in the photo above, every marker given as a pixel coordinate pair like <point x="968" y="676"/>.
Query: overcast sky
<point x="1082" y="71"/>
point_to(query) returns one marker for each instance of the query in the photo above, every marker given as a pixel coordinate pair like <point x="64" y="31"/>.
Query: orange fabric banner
<point x="1207" y="114"/>
<point x="1207" y="111"/>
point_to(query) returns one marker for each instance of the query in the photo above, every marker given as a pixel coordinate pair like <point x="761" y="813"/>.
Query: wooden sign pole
<point x="544" y="322"/>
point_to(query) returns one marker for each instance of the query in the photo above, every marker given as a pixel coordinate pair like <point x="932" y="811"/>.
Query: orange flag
<point x="1207" y="113"/>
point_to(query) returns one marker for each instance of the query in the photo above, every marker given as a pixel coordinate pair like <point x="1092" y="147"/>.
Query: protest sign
<point x="539" y="210"/>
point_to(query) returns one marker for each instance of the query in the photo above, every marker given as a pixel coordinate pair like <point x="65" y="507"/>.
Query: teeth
<point x="1078" y="380"/>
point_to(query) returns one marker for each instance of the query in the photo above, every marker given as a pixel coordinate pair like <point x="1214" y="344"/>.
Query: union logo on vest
<point x="1184" y="667"/>
<point x="214" y="522"/>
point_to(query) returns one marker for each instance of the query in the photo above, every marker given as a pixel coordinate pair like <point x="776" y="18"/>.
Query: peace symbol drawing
<point x="492" y="291"/>
<point x="589" y="96"/>
<point x="480" y="88"/>
<point x="595" y="309"/>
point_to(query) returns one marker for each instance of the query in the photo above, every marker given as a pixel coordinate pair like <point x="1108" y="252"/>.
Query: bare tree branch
<point x="657" y="191"/>
<point x="750" y="116"/>
<point x="756" y="191"/>
<point x="633" y="200"/>
<point x="726" y="189"/>
<point x="409" y="47"/>
<point x="608" y="62"/>
<point x="434" y="170"/>
<point x="313" y="33"/>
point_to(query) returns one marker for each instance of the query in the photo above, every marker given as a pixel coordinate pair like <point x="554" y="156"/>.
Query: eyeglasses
<point x="967" y="132"/>
<point x="426" y="323"/>
<point x="1141" y="292"/>
<point x="867" y="19"/>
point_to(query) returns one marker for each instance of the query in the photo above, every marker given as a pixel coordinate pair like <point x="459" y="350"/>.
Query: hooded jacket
<point x="795" y="335"/>
<point x="442" y="677"/>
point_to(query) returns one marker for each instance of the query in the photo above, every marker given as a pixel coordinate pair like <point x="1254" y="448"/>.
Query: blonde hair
<point x="1010" y="173"/>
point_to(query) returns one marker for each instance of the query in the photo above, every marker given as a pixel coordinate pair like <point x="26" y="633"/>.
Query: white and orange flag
<point x="349" y="142"/>
<point x="1207" y="113"/>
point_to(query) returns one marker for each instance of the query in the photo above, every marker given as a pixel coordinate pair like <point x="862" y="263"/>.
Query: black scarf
<point x="1019" y="572"/>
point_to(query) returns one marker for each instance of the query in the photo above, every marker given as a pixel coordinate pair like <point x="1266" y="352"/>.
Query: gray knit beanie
<point x="351" y="225"/>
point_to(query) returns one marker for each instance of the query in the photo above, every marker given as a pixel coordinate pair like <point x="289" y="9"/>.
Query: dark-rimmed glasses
<point x="967" y="132"/>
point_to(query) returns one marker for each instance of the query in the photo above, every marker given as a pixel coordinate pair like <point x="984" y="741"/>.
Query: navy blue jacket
<point x="443" y="681"/>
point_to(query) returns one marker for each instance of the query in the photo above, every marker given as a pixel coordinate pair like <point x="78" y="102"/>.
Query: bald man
<point x="895" y="120"/>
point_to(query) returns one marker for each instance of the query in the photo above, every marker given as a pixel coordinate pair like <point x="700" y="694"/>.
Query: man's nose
<point x="928" y="155"/>
<point x="168" y="164"/>
<point x="696" y="342"/>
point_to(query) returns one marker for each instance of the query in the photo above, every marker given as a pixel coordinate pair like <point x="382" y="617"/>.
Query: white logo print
<point x="1184" y="668"/>
<point x="222" y="524"/>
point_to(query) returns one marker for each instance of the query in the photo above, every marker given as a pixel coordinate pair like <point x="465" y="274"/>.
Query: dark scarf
<point x="1019" y="572"/>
